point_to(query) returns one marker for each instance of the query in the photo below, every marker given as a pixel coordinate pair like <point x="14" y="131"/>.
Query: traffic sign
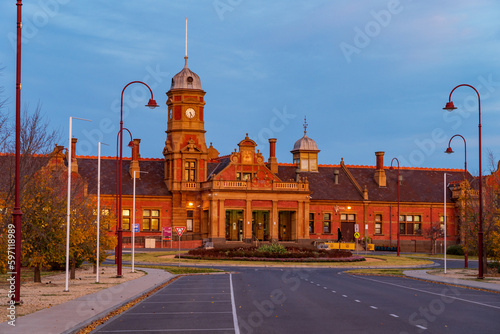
<point x="356" y="235"/>
<point x="356" y="228"/>
<point x="179" y="230"/>
<point x="136" y="228"/>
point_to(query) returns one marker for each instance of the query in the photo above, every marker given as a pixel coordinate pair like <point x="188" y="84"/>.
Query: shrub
<point x="272" y="248"/>
<point x="455" y="250"/>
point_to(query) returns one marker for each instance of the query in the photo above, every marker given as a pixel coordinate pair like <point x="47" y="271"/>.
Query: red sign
<point x="167" y="232"/>
<point x="180" y="230"/>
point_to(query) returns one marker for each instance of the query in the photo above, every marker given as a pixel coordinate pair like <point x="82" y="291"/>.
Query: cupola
<point x="305" y="153"/>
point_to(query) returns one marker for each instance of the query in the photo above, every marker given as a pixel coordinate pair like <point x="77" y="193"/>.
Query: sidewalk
<point x="76" y="314"/>
<point x="422" y="274"/>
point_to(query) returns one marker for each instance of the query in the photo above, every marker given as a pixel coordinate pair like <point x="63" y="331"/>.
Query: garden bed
<point x="274" y="252"/>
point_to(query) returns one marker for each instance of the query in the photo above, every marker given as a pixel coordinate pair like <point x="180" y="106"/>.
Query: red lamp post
<point x="151" y="104"/>
<point x="449" y="107"/>
<point x="392" y="168"/>
<point x="449" y="151"/>
<point x="16" y="212"/>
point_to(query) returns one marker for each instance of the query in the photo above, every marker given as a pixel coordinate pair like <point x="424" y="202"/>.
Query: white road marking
<point x="334" y="291"/>
<point x="357" y="301"/>
<point x="428" y="292"/>
<point x="344" y="296"/>
<point x="235" y="316"/>
<point x="421" y="327"/>
<point x="374" y="307"/>
<point x="394" y="315"/>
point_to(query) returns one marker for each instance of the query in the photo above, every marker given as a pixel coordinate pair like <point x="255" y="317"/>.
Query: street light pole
<point x="449" y="107"/>
<point x="68" y="202"/>
<point x="449" y="151"/>
<point x="392" y="168"/>
<point x="151" y="104"/>
<point x="16" y="212"/>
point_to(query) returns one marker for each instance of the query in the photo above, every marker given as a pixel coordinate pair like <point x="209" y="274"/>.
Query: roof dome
<point x="186" y="79"/>
<point x="305" y="144"/>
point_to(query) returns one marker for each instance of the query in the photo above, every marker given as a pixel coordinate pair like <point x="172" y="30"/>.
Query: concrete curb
<point x="422" y="274"/>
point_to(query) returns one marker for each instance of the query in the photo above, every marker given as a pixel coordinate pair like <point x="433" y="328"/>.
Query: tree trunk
<point x="94" y="268"/>
<point x="37" y="275"/>
<point x="73" y="268"/>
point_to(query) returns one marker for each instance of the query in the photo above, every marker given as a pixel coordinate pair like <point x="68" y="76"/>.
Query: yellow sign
<point x="356" y="235"/>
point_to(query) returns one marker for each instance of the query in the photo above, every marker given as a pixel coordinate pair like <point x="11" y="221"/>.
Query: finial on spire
<point x="305" y="125"/>
<point x="186" y="48"/>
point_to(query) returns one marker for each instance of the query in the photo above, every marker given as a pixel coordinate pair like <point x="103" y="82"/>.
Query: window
<point x="126" y="219"/>
<point x="189" y="221"/>
<point x="327" y="223"/>
<point x="190" y="171"/>
<point x="410" y="224"/>
<point x="378" y="224"/>
<point x="311" y="222"/>
<point x="150" y="220"/>
<point x="348" y="217"/>
<point x="244" y="176"/>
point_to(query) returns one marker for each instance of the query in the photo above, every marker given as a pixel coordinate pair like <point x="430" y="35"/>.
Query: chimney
<point x="134" y="164"/>
<point x="74" y="163"/>
<point x="379" y="177"/>
<point x="272" y="164"/>
<point x="336" y="176"/>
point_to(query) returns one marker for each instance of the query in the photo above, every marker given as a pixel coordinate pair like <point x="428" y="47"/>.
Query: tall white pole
<point x="98" y="207"/>
<point x="68" y="204"/>
<point x="186" y="37"/>
<point x="444" y="222"/>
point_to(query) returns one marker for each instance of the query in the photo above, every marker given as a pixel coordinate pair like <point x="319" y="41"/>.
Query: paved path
<point x="422" y="274"/>
<point x="73" y="315"/>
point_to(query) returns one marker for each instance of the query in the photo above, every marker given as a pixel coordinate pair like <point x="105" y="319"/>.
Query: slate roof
<point x="418" y="185"/>
<point x="151" y="183"/>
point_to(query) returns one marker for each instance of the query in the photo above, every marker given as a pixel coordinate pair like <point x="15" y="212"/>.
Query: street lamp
<point x="398" y="228"/>
<point x="449" y="107"/>
<point x="151" y="104"/>
<point x="133" y="223"/>
<point x="449" y="151"/>
<point x="68" y="202"/>
<point x="16" y="212"/>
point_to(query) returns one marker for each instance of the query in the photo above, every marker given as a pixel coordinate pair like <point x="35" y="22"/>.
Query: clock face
<point x="190" y="112"/>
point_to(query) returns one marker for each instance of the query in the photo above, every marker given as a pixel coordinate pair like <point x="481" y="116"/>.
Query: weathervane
<point x="305" y="125"/>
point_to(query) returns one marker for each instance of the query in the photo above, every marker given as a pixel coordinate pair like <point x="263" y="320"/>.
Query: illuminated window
<point x="378" y="224"/>
<point x="189" y="221"/>
<point x="190" y="171"/>
<point x="327" y="223"/>
<point x="126" y="219"/>
<point x="150" y="220"/>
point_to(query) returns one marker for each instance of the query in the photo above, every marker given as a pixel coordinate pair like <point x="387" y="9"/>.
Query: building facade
<point x="242" y="197"/>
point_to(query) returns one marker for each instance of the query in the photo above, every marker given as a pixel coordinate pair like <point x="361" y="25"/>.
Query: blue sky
<point x="369" y="75"/>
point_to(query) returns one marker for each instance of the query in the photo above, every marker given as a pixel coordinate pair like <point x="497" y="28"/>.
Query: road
<point x="273" y="300"/>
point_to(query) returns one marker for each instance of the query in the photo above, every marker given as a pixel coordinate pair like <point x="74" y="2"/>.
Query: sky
<point x="368" y="75"/>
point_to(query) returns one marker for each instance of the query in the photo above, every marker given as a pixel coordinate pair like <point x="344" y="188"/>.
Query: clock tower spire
<point x="185" y="149"/>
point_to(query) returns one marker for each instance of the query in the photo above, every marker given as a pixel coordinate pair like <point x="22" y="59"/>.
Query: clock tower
<point x="185" y="149"/>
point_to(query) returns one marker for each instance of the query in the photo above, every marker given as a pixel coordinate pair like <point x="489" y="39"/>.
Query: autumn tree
<point x="469" y="208"/>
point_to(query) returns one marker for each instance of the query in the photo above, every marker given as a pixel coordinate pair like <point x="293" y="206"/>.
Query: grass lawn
<point x="389" y="260"/>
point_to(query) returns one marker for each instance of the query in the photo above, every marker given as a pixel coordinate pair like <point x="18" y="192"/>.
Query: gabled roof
<point x="418" y="185"/>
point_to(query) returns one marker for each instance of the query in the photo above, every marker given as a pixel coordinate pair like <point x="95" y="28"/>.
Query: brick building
<point x="241" y="197"/>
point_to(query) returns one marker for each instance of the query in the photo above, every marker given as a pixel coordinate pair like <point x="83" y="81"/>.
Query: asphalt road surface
<point x="265" y="300"/>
